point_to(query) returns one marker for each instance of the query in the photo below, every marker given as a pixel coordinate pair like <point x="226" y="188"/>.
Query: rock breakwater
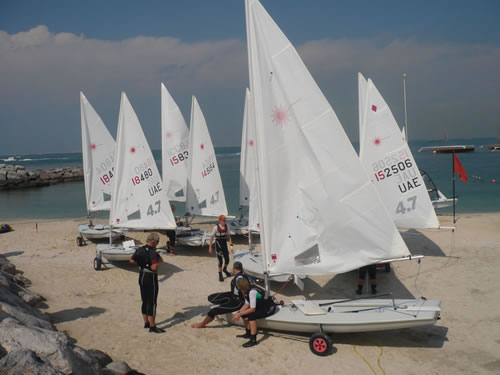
<point x="17" y="177"/>
<point x="29" y="343"/>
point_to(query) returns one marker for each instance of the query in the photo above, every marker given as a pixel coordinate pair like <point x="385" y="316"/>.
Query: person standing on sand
<point x="148" y="261"/>
<point x="228" y="301"/>
<point x="221" y="235"/>
<point x="171" y="235"/>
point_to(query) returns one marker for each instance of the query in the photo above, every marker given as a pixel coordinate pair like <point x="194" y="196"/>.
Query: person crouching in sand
<point x="256" y="307"/>
<point x="227" y="302"/>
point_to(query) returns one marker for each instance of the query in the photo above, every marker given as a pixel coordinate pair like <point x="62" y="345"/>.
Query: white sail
<point x="389" y="162"/>
<point x="98" y="152"/>
<point x="320" y="213"/>
<point x="248" y="183"/>
<point x="205" y="194"/>
<point x="362" y="84"/>
<point x="139" y="199"/>
<point x="174" y="146"/>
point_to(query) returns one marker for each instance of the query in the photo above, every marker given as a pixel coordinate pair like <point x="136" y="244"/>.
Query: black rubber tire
<point x="320" y="344"/>
<point x="97" y="263"/>
<point x="79" y="241"/>
<point x="387" y="267"/>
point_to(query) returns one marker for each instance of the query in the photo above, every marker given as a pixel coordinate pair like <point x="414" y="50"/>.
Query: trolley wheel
<point x="79" y="241"/>
<point x="387" y="267"/>
<point x="320" y="344"/>
<point x="97" y="263"/>
<point x="122" y="237"/>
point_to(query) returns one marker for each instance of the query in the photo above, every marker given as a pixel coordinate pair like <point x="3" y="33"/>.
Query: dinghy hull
<point x="253" y="266"/>
<point x="353" y="316"/>
<point x="115" y="253"/>
<point x="97" y="232"/>
<point x="193" y="238"/>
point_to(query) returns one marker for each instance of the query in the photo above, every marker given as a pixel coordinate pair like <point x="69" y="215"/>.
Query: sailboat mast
<point x="258" y="146"/>
<point x="406" y="111"/>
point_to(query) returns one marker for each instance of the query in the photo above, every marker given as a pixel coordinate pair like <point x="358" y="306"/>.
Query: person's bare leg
<point x="207" y="320"/>
<point x="253" y="327"/>
<point x="151" y="320"/>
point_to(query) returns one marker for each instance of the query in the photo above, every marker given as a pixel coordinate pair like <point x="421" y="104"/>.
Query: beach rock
<point x="27" y="319"/>
<point x="9" y="168"/>
<point x="21" y="362"/>
<point x="54" y="175"/>
<point x="21" y="280"/>
<point x="3" y="352"/>
<point x="50" y="346"/>
<point x="44" y="175"/>
<point x="8" y="281"/>
<point x="33" y="175"/>
<point x="19" y="168"/>
<point x="3" y="176"/>
<point x="2" y="165"/>
<point x="119" y="367"/>
<point x="102" y="358"/>
<point x="3" y="315"/>
<point x="13" y="177"/>
<point x="9" y="294"/>
<point x="6" y="266"/>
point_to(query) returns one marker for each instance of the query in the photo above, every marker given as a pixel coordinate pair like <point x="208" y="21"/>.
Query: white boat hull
<point x="115" y="253"/>
<point x="194" y="238"/>
<point x="364" y="315"/>
<point x="442" y="203"/>
<point x="238" y="227"/>
<point x="97" y="232"/>
<point x="253" y="266"/>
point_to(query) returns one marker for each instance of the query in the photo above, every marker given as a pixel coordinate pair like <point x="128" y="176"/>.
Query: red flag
<point x="459" y="168"/>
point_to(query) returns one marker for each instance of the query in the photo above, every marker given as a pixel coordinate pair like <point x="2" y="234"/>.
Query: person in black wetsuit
<point x="228" y="301"/>
<point x="171" y="235"/>
<point x="148" y="261"/>
<point x="256" y="307"/>
<point x="371" y="270"/>
<point x="221" y="235"/>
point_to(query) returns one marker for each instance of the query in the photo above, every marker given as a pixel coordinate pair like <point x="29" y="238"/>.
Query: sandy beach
<point x="101" y="309"/>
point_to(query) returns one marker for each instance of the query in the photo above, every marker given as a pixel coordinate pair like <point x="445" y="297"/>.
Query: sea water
<point x="67" y="200"/>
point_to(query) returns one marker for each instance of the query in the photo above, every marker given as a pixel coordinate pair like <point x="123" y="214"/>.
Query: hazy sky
<point x="51" y="50"/>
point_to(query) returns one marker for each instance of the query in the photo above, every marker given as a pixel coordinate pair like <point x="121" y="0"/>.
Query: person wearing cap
<point x="148" y="261"/>
<point x="226" y="302"/>
<point x="221" y="235"/>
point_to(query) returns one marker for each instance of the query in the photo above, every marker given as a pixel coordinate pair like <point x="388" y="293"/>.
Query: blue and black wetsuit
<point x="228" y="301"/>
<point x="145" y="257"/>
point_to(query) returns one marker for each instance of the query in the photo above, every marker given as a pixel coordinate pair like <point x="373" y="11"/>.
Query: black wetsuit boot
<point x="221" y="278"/>
<point x="246" y="335"/>
<point x="252" y="342"/>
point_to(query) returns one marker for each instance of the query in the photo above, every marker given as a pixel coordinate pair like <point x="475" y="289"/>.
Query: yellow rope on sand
<point x="368" y="363"/>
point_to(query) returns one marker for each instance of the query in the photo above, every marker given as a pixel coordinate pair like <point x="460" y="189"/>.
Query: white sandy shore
<point x="102" y="309"/>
